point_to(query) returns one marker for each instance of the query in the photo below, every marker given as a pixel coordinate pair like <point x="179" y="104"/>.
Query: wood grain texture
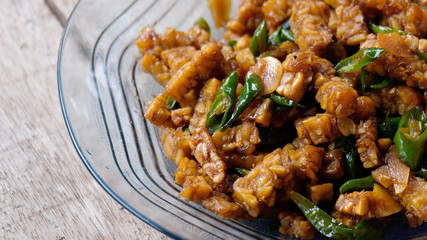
<point x="45" y="190"/>
<point x="61" y="9"/>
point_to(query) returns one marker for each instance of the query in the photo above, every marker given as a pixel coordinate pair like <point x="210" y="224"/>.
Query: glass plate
<point x="103" y="92"/>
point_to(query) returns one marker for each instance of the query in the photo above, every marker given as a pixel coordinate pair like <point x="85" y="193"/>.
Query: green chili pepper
<point x="188" y="131"/>
<point x="287" y="24"/>
<point x="358" y="60"/>
<point x="288" y="35"/>
<point x="358" y="184"/>
<point x="411" y="136"/>
<point x="276" y="37"/>
<point x="362" y="78"/>
<point x="172" y="104"/>
<point x="365" y="86"/>
<point x="368" y="230"/>
<point x="251" y="90"/>
<point x="280" y="108"/>
<point x="387" y="127"/>
<point x="259" y="41"/>
<point x="204" y="25"/>
<point x="283" y="101"/>
<point x="424" y="7"/>
<point x="422" y="55"/>
<point x="243" y="172"/>
<point x="350" y="154"/>
<point x="385" y="83"/>
<point x="422" y="173"/>
<point x="283" y="33"/>
<point x="232" y="43"/>
<point x="222" y="104"/>
<point x="330" y="227"/>
<point x="265" y="54"/>
<point x="384" y="29"/>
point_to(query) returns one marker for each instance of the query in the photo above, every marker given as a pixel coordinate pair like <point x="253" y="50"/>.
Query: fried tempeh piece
<point x="242" y="138"/>
<point x="367" y="135"/>
<point x="247" y="18"/>
<point x="205" y="151"/>
<point x="257" y="189"/>
<point x="177" y="57"/>
<point x="333" y="165"/>
<point x="306" y="160"/>
<point x="397" y="62"/>
<point x="365" y="108"/>
<point x="223" y="206"/>
<point x="177" y="144"/>
<point x="157" y="112"/>
<point x="351" y="29"/>
<point x="181" y="85"/>
<point x="337" y="98"/>
<point x="276" y="11"/>
<point x="317" y="129"/>
<point x="396" y="99"/>
<point x="368" y="204"/>
<point x="295" y="225"/>
<point x="300" y="69"/>
<point x="309" y="23"/>
<point x="409" y="17"/>
<point x="409" y="190"/>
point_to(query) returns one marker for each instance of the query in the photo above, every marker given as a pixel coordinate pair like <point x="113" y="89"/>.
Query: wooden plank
<point x="45" y="190"/>
<point x="61" y="9"/>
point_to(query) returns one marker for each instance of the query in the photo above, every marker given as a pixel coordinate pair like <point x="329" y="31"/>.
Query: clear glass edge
<point x="78" y="149"/>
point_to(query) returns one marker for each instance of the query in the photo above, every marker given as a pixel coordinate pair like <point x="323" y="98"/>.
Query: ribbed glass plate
<point x="103" y="92"/>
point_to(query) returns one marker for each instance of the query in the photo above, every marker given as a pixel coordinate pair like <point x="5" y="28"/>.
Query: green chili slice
<point x="232" y="43"/>
<point x="204" y="25"/>
<point x="251" y="90"/>
<point x="283" y="101"/>
<point x="422" y="173"/>
<point x="384" y="29"/>
<point x="358" y="60"/>
<point x="385" y="83"/>
<point x="363" y="82"/>
<point x="387" y="126"/>
<point x="259" y="41"/>
<point x="422" y="55"/>
<point x="276" y="37"/>
<point x="280" y="108"/>
<point x="350" y="154"/>
<point x="282" y="34"/>
<point x="288" y="35"/>
<point x="222" y="104"/>
<point x="411" y="136"/>
<point x="188" y="131"/>
<point x="368" y="86"/>
<point x="358" y="184"/>
<point x="172" y="104"/>
<point x="287" y="24"/>
<point x="330" y="227"/>
<point x="241" y="171"/>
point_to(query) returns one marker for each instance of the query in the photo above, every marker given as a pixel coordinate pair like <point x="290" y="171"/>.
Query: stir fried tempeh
<point x="299" y="98"/>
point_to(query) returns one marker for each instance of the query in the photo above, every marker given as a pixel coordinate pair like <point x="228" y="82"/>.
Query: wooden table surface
<point x="46" y="192"/>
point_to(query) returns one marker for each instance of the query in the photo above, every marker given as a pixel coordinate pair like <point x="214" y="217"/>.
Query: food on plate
<point x="309" y="112"/>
